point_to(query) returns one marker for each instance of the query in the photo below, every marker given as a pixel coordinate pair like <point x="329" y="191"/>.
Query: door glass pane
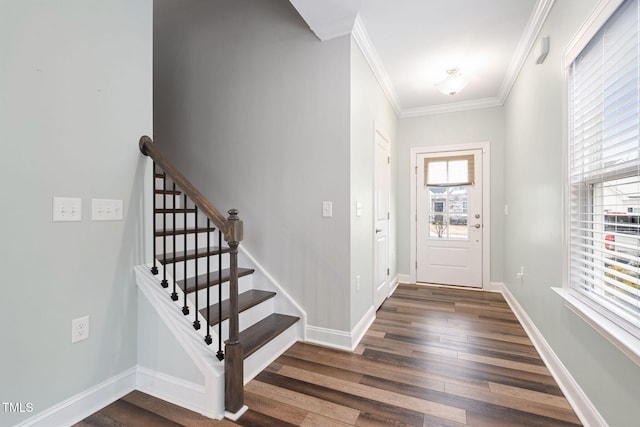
<point x="438" y="220"/>
<point x="439" y="225"/>
<point x="448" y="213"/>
<point x="458" y="212"/>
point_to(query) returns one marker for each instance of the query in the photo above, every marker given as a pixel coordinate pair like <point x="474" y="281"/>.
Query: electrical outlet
<point x="67" y="209"/>
<point x="79" y="329"/>
<point x="520" y="275"/>
<point x="106" y="210"/>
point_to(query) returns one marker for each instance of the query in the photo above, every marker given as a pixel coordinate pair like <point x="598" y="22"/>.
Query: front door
<point x="381" y="222"/>
<point x="449" y="218"/>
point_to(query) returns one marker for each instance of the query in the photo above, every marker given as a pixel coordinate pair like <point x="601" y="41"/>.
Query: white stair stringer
<point x="209" y="400"/>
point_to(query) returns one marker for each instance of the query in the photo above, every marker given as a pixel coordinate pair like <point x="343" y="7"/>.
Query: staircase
<point x="196" y="267"/>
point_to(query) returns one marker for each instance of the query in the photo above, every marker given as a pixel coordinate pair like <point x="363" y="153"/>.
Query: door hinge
<point x="416" y="170"/>
<point x="388" y="160"/>
<point x="388" y="272"/>
<point x="388" y="215"/>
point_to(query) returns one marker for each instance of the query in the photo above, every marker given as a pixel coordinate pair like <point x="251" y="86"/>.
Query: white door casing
<point x="381" y="220"/>
<point x="449" y="218"/>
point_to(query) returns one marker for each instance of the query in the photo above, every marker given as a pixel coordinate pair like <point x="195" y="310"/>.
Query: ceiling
<point x="410" y="44"/>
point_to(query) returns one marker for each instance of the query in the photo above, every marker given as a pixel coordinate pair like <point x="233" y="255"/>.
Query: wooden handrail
<point x="148" y="148"/>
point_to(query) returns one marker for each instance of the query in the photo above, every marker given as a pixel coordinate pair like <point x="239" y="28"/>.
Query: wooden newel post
<point x="234" y="359"/>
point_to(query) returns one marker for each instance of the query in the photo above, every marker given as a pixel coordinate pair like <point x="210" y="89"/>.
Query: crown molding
<point x="334" y="29"/>
<point x="361" y="37"/>
<point x="355" y="27"/>
<point x="327" y="20"/>
<point x="451" y="108"/>
<point x="526" y="43"/>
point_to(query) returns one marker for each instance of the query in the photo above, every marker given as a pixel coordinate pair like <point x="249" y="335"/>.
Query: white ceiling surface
<point x="411" y="43"/>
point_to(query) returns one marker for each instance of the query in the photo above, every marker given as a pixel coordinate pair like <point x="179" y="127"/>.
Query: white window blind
<point x="604" y="171"/>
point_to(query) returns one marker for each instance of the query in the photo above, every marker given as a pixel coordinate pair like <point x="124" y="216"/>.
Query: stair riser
<point x="158" y="183"/>
<point x="191" y="242"/>
<point x="179" y="220"/>
<point x="262" y="358"/>
<point x="244" y="284"/>
<point x="202" y="266"/>
<point x="249" y="317"/>
<point x="171" y="201"/>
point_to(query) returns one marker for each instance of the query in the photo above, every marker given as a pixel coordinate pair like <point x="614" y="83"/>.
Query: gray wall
<point x="482" y="125"/>
<point x="75" y="96"/>
<point x="369" y="109"/>
<point x="533" y="230"/>
<point x="255" y="110"/>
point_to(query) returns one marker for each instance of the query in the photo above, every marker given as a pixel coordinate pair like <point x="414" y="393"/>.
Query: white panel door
<point x="381" y="222"/>
<point x="449" y="218"/>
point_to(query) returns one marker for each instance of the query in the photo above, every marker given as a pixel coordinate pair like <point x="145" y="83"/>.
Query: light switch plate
<point x="327" y="209"/>
<point x="106" y="210"/>
<point x="67" y="209"/>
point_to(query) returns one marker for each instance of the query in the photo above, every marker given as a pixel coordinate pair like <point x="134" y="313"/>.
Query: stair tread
<point x="191" y="254"/>
<point x="256" y="336"/>
<point x="213" y="277"/>
<point x="161" y="191"/>
<point x="179" y="210"/>
<point x="180" y="231"/>
<point x="246" y="300"/>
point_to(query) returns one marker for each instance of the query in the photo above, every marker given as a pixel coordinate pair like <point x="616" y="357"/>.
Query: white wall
<point x="158" y="348"/>
<point x="481" y="125"/>
<point x="75" y="96"/>
<point x="369" y="109"/>
<point x="533" y="231"/>
<point x="254" y="109"/>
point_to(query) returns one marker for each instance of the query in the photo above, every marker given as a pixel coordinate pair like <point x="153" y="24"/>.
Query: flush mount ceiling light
<point x="453" y="83"/>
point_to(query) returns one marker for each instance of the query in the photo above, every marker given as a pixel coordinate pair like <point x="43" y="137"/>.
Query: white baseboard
<point x="496" y="287"/>
<point x="333" y="338"/>
<point x="404" y="278"/>
<point x="192" y="396"/>
<point x="585" y="410"/>
<point x="394" y="285"/>
<point x="362" y="327"/>
<point x="82" y="405"/>
<point x="341" y="340"/>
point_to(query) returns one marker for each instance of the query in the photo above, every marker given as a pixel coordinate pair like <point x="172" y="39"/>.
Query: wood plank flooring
<point x="433" y="357"/>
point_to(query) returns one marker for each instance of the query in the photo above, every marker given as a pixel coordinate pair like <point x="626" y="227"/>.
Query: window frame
<point x="628" y="343"/>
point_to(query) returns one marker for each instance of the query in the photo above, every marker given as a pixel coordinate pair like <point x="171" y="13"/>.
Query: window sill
<point x="617" y="336"/>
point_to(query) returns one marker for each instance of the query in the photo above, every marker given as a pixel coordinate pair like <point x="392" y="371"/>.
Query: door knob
<point x="477" y="225"/>
<point x="378" y="230"/>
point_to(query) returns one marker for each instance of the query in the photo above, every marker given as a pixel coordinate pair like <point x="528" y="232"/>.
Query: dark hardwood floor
<point x="433" y="357"/>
